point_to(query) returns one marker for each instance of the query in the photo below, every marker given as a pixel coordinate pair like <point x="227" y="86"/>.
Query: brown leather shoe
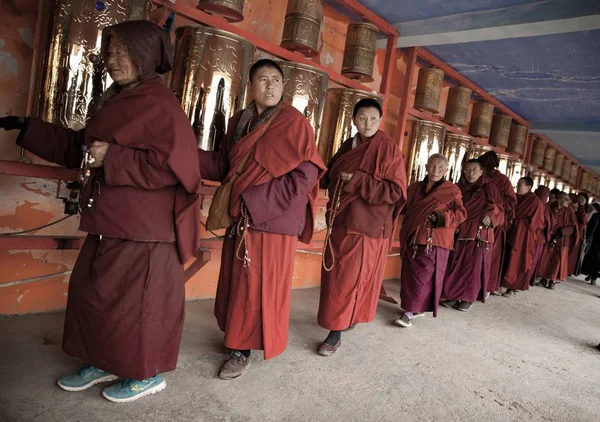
<point x="327" y="349"/>
<point x="235" y="366"/>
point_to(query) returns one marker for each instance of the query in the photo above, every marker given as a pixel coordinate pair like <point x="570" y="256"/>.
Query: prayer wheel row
<point x="500" y="130"/>
<point x="429" y="88"/>
<point x="457" y="108"/>
<point x="559" y="162"/>
<point x="481" y="120"/>
<point x="232" y="10"/>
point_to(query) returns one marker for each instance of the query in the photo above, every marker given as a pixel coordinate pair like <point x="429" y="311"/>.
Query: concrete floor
<point x="528" y="358"/>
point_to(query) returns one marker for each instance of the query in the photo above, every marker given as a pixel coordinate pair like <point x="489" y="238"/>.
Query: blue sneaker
<point x="130" y="389"/>
<point x="83" y="379"/>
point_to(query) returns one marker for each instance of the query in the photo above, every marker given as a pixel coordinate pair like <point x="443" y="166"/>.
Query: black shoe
<point x="543" y="282"/>
<point x="588" y="278"/>
<point x="551" y="285"/>
<point x="449" y="303"/>
<point x="464" y="306"/>
<point x="593" y="282"/>
<point x="509" y="293"/>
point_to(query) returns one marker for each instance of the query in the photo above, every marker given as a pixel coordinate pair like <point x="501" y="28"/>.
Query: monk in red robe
<point x="140" y="205"/>
<point x="271" y="146"/>
<point x="555" y="258"/>
<point x="579" y="203"/>
<point x="490" y="162"/>
<point x="367" y="178"/>
<point x="433" y="211"/>
<point x="544" y="234"/>
<point x="521" y="238"/>
<point x="469" y="263"/>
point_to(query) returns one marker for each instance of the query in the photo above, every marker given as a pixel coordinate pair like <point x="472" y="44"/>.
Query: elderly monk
<point x="433" y="211"/>
<point x="469" y="263"/>
<point x="544" y="235"/>
<point x="490" y="162"/>
<point x="367" y="178"/>
<point x="555" y="258"/>
<point x="576" y="252"/>
<point x="521" y="238"/>
<point x="271" y="147"/>
<point x="141" y="204"/>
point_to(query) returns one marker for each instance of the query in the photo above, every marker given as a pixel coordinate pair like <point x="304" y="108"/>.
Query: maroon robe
<point x="125" y="307"/>
<point x="544" y="235"/>
<point x="555" y="257"/>
<point x="363" y="228"/>
<point x="279" y="187"/>
<point x="425" y="247"/>
<point x="521" y="241"/>
<point x="468" y="268"/>
<point x="575" y="248"/>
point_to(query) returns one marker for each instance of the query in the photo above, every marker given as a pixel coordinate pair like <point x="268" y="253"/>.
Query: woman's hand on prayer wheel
<point x="346" y="177"/>
<point x="98" y="151"/>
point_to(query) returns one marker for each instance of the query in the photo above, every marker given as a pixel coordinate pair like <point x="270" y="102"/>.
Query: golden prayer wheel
<point x="566" y="170"/>
<point x="539" y="179"/>
<point x="232" y="10"/>
<point x="457" y="108"/>
<point x="516" y="139"/>
<point x="583" y="181"/>
<point x="551" y="182"/>
<point x="302" y="26"/>
<point x="337" y="123"/>
<point x="210" y="79"/>
<point x="539" y="149"/>
<point x="481" y="120"/>
<point x="306" y="89"/>
<point x="429" y="88"/>
<point x="457" y="149"/>
<point x="573" y="175"/>
<point x="359" y="52"/>
<point x="500" y="130"/>
<point x="561" y="186"/>
<point x="504" y="164"/>
<point x="515" y="170"/>
<point x="559" y="162"/>
<point x="428" y="139"/>
<point x="549" y="155"/>
<point x="70" y="74"/>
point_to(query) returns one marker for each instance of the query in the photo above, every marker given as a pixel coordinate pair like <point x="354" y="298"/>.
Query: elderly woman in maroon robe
<point x="521" y="238"/>
<point x="555" y="257"/>
<point x="469" y="263"/>
<point x="141" y="205"/>
<point x="366" y="181"/>
<point x="433" y="211"/>
<point x="490" y="162"/>
<point x="271" y="147"/>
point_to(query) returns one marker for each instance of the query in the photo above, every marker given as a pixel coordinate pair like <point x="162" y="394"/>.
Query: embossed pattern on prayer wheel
<point x="516" y="139"/>
<point x="70" y="75"/>
<point x="232" y="10"/>
<point x="559" y="162"/>
<point x="457" y="149"/>
<point x="359" y="52"/>
<point x="337" y="119"/>
<point x="457" y="108"/>
<point x="428" y="139"/>
<point x="429" y="88"/>
<point x="549" y="155"/>
<point x="500" y="130"/>
<point x="539" y="149"/>
<point x="306" y="89"/>
<point x="210" y="79"/>
<point x="566" y="170"/>
<point x="479" y="150"/>
<point x="573" y="175"/>
<point x="481" y="120"/>
<point x="302" y="26"/>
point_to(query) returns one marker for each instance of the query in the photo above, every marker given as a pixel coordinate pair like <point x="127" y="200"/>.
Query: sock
<point x="246" y="353"/>
<point x="409" y="315"/>
<point x="333" y="337"/>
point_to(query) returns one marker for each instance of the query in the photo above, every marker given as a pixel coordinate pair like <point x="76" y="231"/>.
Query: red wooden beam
<point x="388" y="68"/>
<point x="355" y="7"/>
<point x="449" y="71"/>
<point x="25" y="242"/>
<point x="219" y="22"/>
<point x="14" y="168"/>
<point x="406" y="102"/>
<point x="203" y="257"/>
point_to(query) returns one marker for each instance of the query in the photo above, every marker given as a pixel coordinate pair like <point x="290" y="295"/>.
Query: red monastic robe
<point x="425" y="248"/>
<point x="468" y="268"/>
<point x="363" y="228"/>
<point x="575" y="248"/>
<point x="279" y="186"/>
<point x="555" y="257"/>
<point x="521" y="241"/>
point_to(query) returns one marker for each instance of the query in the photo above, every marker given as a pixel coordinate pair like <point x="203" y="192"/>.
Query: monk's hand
<point x="486" y="221"/>
<point x="346" y="177"/>
<point x="98" y="151"/>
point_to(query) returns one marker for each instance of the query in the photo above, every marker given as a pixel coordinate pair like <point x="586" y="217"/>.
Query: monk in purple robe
<point x="140" y="205"/>
<point x="271" y="147"/>
<point x="366" y="181"/>
<point x="490" y="163"/>
<point x="469" y="263"/>
<point x="433" y="211"/>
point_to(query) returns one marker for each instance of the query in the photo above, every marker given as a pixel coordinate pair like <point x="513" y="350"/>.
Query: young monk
<point x="521" y="238"/>
<point x="271" y="146"/>
<point x="368" y="178"/>
<point x="433" y="211"/>
<point x="544" y="234"/>
<point x="469" y="263"/>
<point x="555" y="258"/>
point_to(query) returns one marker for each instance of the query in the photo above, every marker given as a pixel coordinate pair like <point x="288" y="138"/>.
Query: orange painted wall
<point x="27" y="203"/>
